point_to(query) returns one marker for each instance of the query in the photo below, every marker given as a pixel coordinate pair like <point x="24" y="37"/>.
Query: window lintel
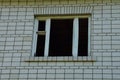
<point x="61" y="16"/>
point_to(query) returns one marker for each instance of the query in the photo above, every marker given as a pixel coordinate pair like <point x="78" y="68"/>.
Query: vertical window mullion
<point x="47" y="37"/>
<point x="89" y="38"/>
<point x="35" y="38"/>
<point x="75" y="37"/>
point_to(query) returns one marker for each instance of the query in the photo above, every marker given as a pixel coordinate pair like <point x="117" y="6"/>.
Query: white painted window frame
<point x="47" y="36"/>
<point x="35" y="29"/>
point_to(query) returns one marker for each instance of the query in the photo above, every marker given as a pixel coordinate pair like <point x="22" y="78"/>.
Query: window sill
<point x="60" y="59"/>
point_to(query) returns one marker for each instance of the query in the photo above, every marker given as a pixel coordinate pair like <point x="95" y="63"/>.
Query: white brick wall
<point x="16" y="36"/>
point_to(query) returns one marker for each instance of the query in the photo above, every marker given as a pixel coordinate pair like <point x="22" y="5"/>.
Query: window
<point x="62" y="36"/>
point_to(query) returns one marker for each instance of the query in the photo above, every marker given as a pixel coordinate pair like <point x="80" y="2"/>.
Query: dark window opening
<point x="61" y="37"/>
<point x="41" y="26"/>
<point x="83" y="37"/>
<point x="40" y="40"/>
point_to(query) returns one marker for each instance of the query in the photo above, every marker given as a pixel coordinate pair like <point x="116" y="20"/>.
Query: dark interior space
<point x="41" y="26"/>
<point x="40" y="40"/>
<point x="61" y="37"/>
<point x="83" y="37"/>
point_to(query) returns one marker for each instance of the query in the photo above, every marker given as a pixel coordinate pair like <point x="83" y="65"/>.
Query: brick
<point x="41" y="76"/>
<point x="108" y="76"/>
<point x="88" y="76"/>
<point x="97" y="75"/>
<point x="60" y="71"/>
<point x="42" y="71"/>
<point x="69" y="76"/>
<point x="23" y="76"/>
<point x="99" y="71"/>
<point x="50" y="76"/>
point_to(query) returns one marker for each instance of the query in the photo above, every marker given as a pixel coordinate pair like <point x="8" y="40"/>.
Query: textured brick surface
<point x="16" y="36"/>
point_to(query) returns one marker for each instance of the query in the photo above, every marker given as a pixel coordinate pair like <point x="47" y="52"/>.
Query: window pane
<point x="41" y="26"/>
<point x="83" y="37"/>
<point x="61" y="37"/>
<point x="40" y="40"/>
